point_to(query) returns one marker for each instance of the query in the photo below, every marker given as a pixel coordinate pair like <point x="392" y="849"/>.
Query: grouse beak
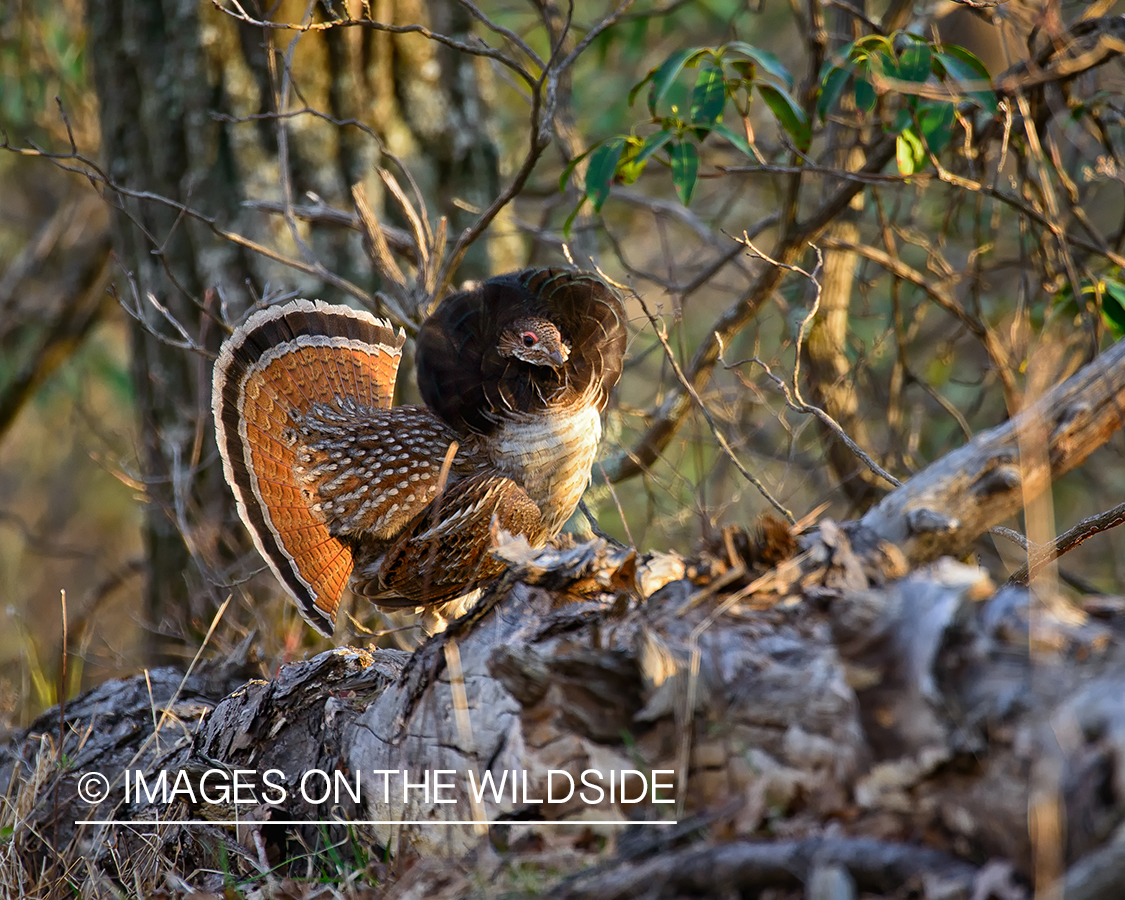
<point x="559" y="357"/>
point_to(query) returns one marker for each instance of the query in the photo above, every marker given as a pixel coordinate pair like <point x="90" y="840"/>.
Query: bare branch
<point x="478" y="49"/>
<point x="666" y="419"/>
<point x="593" y="33"/>
<point x="537" y="144"/>
<point x="1042" y="555"/>
<point x="996" y="353"/>
<point x="90" y="170"/>
<point x="321" y="213"/>
<point x="506" y="33"/>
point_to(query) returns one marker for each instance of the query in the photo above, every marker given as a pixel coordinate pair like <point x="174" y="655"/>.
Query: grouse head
<point x="535" y="341"/>
<point x="520" y="344"/>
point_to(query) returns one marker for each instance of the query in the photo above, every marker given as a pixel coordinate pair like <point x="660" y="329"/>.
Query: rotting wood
<point x="849" y="715"/>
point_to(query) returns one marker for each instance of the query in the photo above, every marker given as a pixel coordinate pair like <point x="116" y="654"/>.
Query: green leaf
<point x="636" y="88"/>
<point x="573" y="215"/>
<point x="685" y="165"/>
<point x="909" y="152"/>
<point x="762" y="58"/>
<point x="707" y="99"/>
<point x="1113" y="306"/>
<point x="968" y="58"/>
<point x="935" y="122"/>
<point x="841" y="59"/>
<point x="664" y="75"/>
<point x="603" y="166"/>
<point x="865" y="96"/>
<point x="791" y="117"/>
<point x="627" y="168"/>
<point x="903" y="155"/>
<point x="734" y="137"/>
<point x="961" y="71"/>
<point x="914" y="62"/>
<point x="882" y="64"/>
<point x="1115" y="288"/>
<point x="571" y="166"/>
<point x="830" y="89"/>
<point x="874" y="45"/>
<point x="653" y="143"/>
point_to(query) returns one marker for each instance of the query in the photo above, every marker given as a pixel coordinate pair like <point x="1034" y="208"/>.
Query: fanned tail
<point x="272" y="371"/>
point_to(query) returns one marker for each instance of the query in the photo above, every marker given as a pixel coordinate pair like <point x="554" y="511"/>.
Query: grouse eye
<point x="530" y="339"/>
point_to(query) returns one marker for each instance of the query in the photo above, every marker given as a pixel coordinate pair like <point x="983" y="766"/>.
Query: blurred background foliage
<point x="975" y="263"/>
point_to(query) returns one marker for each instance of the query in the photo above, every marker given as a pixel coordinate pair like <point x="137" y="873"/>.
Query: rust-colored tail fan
<point x="285" y="363"/>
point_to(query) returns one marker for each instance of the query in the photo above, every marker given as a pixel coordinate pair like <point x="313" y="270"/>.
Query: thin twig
<point x="658" y="328"/>
<point x="90" y="170"/>
<point x="1001" y="361"/>
<point x="667" y="417"/>
<point x="792" y="393"/>
<point x="479" y="49"/>
<point x="1040" y="555"/>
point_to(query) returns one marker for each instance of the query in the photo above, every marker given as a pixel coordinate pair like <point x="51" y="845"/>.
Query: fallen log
<point x="846" y="717"/>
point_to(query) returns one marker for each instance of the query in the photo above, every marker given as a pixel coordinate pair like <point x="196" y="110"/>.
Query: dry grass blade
<point x="422" y="237"/>
<point x="380" y="250"/>
<point x="440" y="240"/>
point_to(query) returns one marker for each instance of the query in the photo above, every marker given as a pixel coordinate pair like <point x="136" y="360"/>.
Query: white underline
<point x="376" y="822"/>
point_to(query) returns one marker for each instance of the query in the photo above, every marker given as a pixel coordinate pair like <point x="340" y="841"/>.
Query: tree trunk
<point x="155" y="93"/>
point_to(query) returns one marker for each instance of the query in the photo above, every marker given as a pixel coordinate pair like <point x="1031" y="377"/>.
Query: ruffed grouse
<point x="333" y="482"/>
